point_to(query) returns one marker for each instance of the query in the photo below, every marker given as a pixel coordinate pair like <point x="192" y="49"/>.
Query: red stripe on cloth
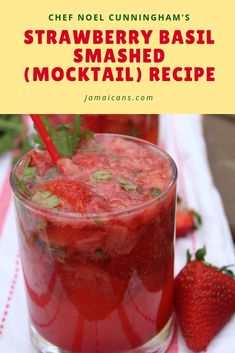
<point x="50" y="321"/>
<point x="10" y="295"/>
<point x="97" y="348"/>
<point x="131" y="335"/>
<point x="5" y="199"/>
<point x="142" y="314"/>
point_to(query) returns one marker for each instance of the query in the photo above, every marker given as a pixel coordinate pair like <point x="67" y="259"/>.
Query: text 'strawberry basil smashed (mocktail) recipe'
<point x="96" y="243"/>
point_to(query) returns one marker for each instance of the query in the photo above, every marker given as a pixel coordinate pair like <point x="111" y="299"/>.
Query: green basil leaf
<point x="155" y="192"/>
<point x="64" y="141"/>
<point x="102" y="175"/>
<point x="45" y="199"/>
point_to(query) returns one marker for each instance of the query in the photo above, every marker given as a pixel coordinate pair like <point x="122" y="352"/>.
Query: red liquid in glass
<point x="102" y="283"/>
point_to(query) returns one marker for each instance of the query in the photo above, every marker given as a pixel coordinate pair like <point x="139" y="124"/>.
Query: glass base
<point x="159" y="344"/>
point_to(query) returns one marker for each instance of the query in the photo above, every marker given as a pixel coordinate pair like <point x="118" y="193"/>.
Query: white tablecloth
<point x="182" y="137"/>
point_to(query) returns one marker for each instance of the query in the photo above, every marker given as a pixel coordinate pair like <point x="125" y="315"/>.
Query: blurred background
<point x="219" y="133"/>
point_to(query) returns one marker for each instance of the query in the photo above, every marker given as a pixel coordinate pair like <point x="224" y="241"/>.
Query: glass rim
<point x="84" y="216"/>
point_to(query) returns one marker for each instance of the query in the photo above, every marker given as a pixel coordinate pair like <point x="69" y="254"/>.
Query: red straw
<point x="45" y="137"/>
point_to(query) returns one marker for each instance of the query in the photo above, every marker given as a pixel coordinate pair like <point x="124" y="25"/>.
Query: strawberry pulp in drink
<point x="96" y="244"/>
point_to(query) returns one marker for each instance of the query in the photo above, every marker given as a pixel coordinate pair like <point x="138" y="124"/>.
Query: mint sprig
<point x="37" y="139"/>
<point x="28" y="174"/>
<point x="76" y="131"/>
<point x="64" y="141"/>
<point x="66" y="138"/>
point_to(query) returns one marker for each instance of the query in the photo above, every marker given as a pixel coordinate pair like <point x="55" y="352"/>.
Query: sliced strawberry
<point x="204" y="299"/>
<point x="186" y="221"/>
<point x="73" y="191"/>
<point x="83" y="240"/>
<point x="78" y="195"/>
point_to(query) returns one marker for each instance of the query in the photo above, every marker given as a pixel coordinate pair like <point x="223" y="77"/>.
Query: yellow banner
<point x="117" y="57"/>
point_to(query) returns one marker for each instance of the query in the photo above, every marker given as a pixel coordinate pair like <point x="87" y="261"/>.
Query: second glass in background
<point x="144" y="126"/>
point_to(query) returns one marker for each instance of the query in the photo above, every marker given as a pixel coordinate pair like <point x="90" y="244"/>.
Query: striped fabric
<point x="182" y="137"/>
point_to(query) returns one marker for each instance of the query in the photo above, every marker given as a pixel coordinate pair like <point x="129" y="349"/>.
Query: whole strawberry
<point x="204" y="300"/>
<point x="187" y="220"/>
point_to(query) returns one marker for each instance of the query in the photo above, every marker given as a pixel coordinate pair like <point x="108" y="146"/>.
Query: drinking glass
<point x="111" y="289"/>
